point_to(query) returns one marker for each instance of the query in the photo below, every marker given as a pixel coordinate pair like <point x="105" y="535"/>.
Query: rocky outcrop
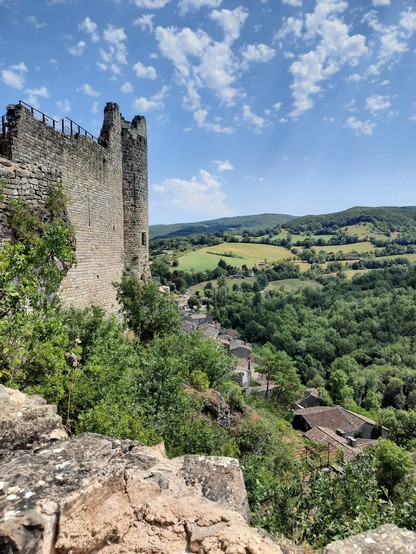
<point x="387" y="539"/>
<point x="97" y="494"/>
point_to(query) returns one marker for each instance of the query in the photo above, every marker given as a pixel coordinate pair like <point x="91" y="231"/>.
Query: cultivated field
<point x="249" y="254"/>
<point x="356" y="247"/>
<point x="291" y="285"/>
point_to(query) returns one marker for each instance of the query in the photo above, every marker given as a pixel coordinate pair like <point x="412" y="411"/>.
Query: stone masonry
<point x="106" y="186"/>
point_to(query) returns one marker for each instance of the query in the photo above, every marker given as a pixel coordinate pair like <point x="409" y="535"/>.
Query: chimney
<point x="352" y="442"/>
<point x="340" y="432"/>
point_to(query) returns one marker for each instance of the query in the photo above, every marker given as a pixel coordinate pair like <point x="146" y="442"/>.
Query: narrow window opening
<point x="144" y="239"/>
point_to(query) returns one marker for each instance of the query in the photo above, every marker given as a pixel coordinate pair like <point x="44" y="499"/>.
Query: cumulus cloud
<point x="334" y="48"/>
<point x="94" y="108"/>
<point x="116" y="53"/>
<point x="257" y="121"/>
<point x="360" y="127"/>
<point x="156" y="102"/>
<point x="224" y="165"/>
<point x="77" y="49"/>
<point x="126" y="88"/>
<point x="201" y="62"/>
<point x="14" y="76"/>
<point x="90" y="27"/>
<point x="381" y="3"/>
<point x="89" y="91"/>
<point x="294" y="3"/>
<point x="34" y="94"/>
<point x="193" y="5"/>
<point x="200" y="117"/>
<point x="408" y="20"/>
<point x="202" y="194"/>
<point x="145" y="21"/>
<point x="377" y="102"/>
<point x="151" y="4"/>
<point x="143" y="72"/>
<point x="259" y="53"/>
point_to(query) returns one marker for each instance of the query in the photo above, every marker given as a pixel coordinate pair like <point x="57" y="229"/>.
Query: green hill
<point x="242" y="222"/>
<point x="384" y="219"/>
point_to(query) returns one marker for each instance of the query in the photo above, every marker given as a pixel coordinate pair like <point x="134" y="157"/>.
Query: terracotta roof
<point x="323" y="435"/>
<point x="333" y="418"/>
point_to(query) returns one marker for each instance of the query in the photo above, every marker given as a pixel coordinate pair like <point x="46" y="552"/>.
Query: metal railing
<point x="64" y="125"/>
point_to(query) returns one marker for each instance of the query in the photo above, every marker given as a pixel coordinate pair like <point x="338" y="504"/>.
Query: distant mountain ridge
<point x="241" y="222"/>
<point x="384" y="218"/>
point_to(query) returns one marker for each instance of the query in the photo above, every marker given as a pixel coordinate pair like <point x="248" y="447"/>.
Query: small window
<point x="144" y="239"/>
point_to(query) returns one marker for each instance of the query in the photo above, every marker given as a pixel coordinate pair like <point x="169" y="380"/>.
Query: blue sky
<point x="283" y="106"/>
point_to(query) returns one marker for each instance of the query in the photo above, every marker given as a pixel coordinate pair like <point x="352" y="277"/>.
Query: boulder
<point x="96" y="494"/>
<point x="387" y="539"/>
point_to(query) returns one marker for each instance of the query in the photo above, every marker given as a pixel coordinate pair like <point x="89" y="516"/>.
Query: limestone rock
<point x="95" y="494"/>
<point x="26" y="420"/>
<point x="387" y="539"/>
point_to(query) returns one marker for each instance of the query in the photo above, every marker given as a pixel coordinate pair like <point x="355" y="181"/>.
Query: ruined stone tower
<point x="105" y="180"/>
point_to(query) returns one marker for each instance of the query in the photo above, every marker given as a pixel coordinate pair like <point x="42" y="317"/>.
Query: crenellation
<point x="106" y="186"/>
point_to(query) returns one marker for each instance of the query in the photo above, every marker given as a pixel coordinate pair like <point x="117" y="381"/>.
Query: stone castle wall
<point x="106" y="185"/>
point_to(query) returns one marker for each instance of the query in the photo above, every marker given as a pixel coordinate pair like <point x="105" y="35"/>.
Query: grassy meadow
<point x="249" y="254"/>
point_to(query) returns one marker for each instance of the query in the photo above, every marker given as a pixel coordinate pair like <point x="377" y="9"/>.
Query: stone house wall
<point x="97" y="178"/>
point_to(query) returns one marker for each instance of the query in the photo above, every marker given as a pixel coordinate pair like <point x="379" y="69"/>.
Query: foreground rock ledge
<point x="97" y="494"/>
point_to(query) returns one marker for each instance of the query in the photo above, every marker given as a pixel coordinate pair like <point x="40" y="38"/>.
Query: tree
<point x="280" y="369"/>
<point x="394" y="464"/>
<point x="148" y="312"/>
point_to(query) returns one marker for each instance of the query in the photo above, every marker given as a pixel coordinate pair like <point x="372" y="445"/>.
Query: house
<point x="181" y="303"/>
<point x="188" y="326"/>
<point x="349" y="446"/>
<point x="310" y="399"/>
<point x="196" y="318"/>
<point x="210" y="330"/>
<point x="338" y="419"/>
<point x="240" y="349"/>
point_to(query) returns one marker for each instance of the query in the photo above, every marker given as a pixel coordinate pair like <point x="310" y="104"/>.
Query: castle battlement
<point x="106" y="183"/>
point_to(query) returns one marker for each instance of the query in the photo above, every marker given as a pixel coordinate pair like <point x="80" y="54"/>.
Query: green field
<point x="249" y="254"/>
<point x="356" y="247"/>
<point x="291" y="285"/>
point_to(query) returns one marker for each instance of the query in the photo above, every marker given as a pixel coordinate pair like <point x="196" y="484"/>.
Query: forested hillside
<point x="222" y="224"/>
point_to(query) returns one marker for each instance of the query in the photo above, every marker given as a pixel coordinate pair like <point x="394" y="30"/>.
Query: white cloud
<point x="34" y="21"/>
<point x="14" y="76"/>
<point x="277" y="106"/>
<point x="294" y="3"/>
<point x="257" y="121"/>
<point x="151" y="4"/>
<point x="114" y="35"/>
<point x="408" y="20"/>
<point x="202" y="194"/>
<point x="193" y="5"/>
<point x="77" y="49"/>
<point x="94" y="107"/>
<point x="381" y="2"/>
<point x="145" y="21"/>
<point x="360" y="127"/>
<point x="116" y="54"/>
<point x="64" y="106"/>
<point x="34" y="94"/>
<point x="335" y="48"/>
<point x="126" y="87"/>
<point x="200" y="117"/>
<point x="200" y="62"/>
<point x="144" y="72"/>
<point x="143" y="104"/>
<point x="231" y="21"/>
<point x="258" y="53"/>
<point x="377" y="102"/>
<point x="290" y="26"/>
<point x="224" y="165"/>
<point x="89" y="91"/>
<point x="90" y="27"/>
